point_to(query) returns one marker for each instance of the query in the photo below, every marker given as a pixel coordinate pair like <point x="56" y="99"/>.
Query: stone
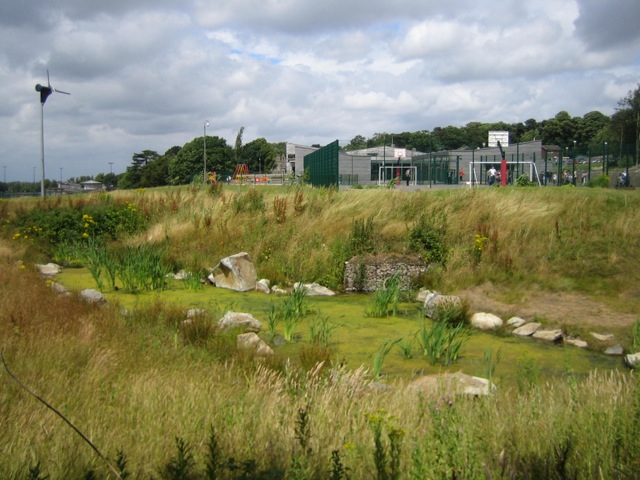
<point x="279" y="291"/>
<point x="58" y="287"/>
<point x="252" y="342"/>
<point x="422" y="295"/>
<point x="527" y="329"/>
<point x="91" y="295"/>
<point x="452" y="384"/>
<point x="235" y="272"/>
<point x="196" y="312"/>
<point x="516" y="322"/>
<point x="485" y="321"/>
<point x="615" y="350"/>
<point x="554" y="335"/>
<point x="263" y="286"/>
<point x="49" y="270"/>
<point x="576" y="342"/>
<point x="181" y="275"/>
<point x="315" y="289"/>
<point x="244" y="321"/>
<point x="632" y="360"/>
<point x="434" y="300"/>
<point x="603" y="337"/>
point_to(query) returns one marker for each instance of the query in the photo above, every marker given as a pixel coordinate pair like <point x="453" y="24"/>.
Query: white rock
<point x="615" y="350"/>
<point x="486" y="321"/>
<point x="516" y="322"/>
<point x="263" y="286"/>
<point x="91" y="295"/>
<point x="315" y="289"/>
<point x="527" y="329"/>
<point x="576" y="342"/>
<point x="49" y="270"/>
<point x="632" y="360"/>
<point x="603" y="337"/>
<point x="244" y="321"/>
<point x="548" y="335"/>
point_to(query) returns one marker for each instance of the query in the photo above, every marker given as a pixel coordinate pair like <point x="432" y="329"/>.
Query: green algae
<point x="357" y="336"/>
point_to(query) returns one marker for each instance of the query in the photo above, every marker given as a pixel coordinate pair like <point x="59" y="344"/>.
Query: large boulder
<point x="485" y="321"/>
<point x="243" y="321"/>
<point x="433" y="301"/>
<point x="235" y="272"/>
<point x="452" y="384"/>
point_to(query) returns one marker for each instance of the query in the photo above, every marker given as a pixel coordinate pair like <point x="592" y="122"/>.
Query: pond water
<point x="357" y="337"/>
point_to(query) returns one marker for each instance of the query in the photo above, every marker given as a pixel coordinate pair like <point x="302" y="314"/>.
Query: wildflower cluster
<point x="27" y="233"/>
<point x="478" y="248"/>
<point x="88" y="225"/>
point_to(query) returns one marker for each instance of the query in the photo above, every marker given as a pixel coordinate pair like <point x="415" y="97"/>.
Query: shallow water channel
<point x="357" y="337"/>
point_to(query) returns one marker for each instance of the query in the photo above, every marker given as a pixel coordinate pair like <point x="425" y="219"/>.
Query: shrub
<point x="601" y="180"/>
<point x="427" y="237"/>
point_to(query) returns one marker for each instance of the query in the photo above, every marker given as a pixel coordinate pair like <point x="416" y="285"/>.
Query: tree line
<point x="584" y="135"/>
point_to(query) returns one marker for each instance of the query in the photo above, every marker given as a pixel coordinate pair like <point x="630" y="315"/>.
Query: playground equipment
<point x="240" y="173"/>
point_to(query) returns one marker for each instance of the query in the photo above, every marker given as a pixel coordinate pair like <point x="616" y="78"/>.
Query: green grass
<point x="145" y="385"/>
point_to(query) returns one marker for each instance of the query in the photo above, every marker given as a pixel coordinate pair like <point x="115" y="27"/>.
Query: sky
<point x="147" y="74"/>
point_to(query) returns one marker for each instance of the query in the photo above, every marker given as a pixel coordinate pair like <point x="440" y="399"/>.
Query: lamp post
<point x="110" y="168"/>
<point x="5" y="173"/>
<point x="206" y="124"/>
<point x="573" y="163"/>
<point x="61" y="176"/>
<point x="605" y="163"/>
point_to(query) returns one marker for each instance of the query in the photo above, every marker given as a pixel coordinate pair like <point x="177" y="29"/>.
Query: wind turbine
<point x="44" y="94"/>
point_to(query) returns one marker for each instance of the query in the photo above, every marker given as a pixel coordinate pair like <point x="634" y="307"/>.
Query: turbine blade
<point x="60" y="91"/>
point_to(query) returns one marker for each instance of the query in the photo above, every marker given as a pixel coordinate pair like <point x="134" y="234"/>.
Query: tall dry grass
<point x="130" y="384"/>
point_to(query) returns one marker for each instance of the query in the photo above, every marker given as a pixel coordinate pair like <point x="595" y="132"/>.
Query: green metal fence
<point x="323" y="165"/>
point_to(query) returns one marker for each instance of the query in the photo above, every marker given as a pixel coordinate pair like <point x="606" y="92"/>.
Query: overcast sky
<point x="146" y="74"/>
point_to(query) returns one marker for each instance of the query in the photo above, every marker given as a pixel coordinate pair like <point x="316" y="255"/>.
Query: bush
<point x="427" y="237"/>
<point x="601" y="180"/>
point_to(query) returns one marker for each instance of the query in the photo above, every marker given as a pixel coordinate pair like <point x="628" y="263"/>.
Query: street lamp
<point x="61" y="176"/>
<point x="206" y="124"/>
<point x="110" y="168"/>
<point x="605" y="163"/>
<point x="44" y="94"/>
<point x="5" y="173"/>
<point x="573" y="170"/>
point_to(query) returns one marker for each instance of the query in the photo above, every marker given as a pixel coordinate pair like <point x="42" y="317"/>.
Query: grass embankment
<point x="134" y="383"/>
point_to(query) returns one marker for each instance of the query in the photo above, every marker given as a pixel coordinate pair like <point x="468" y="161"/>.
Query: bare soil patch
<point x="557" y="308"/>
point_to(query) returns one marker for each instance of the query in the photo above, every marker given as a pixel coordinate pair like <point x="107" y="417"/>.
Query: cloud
<point x="147" y="74"/>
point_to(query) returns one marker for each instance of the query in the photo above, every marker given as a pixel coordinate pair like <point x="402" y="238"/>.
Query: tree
<point x="189" y="163"/>
<point x="357" y="143"/>
<point x="237" y="151"/>
<point x="632" y="103"/>
<point x="259" y="155"/>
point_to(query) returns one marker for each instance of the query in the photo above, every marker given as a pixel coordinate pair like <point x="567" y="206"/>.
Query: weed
<point x="635" y="334"/>
<point x="528" y="373"/>
<point x="361" y="239"/>
<point x="442" y="342"/>
<point x="490" y="362"/>
<point x="321" y="330"/>
<point x="386" y="298"/>
<point x="378" y="358"/>
<point x="386" y="458"/>
<point x="338" y="470"/>
<point x="181" y="466"/>
<point x="406" y="347"/>
<point x="280" y="209"/>
<point x="428" y="237"/>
